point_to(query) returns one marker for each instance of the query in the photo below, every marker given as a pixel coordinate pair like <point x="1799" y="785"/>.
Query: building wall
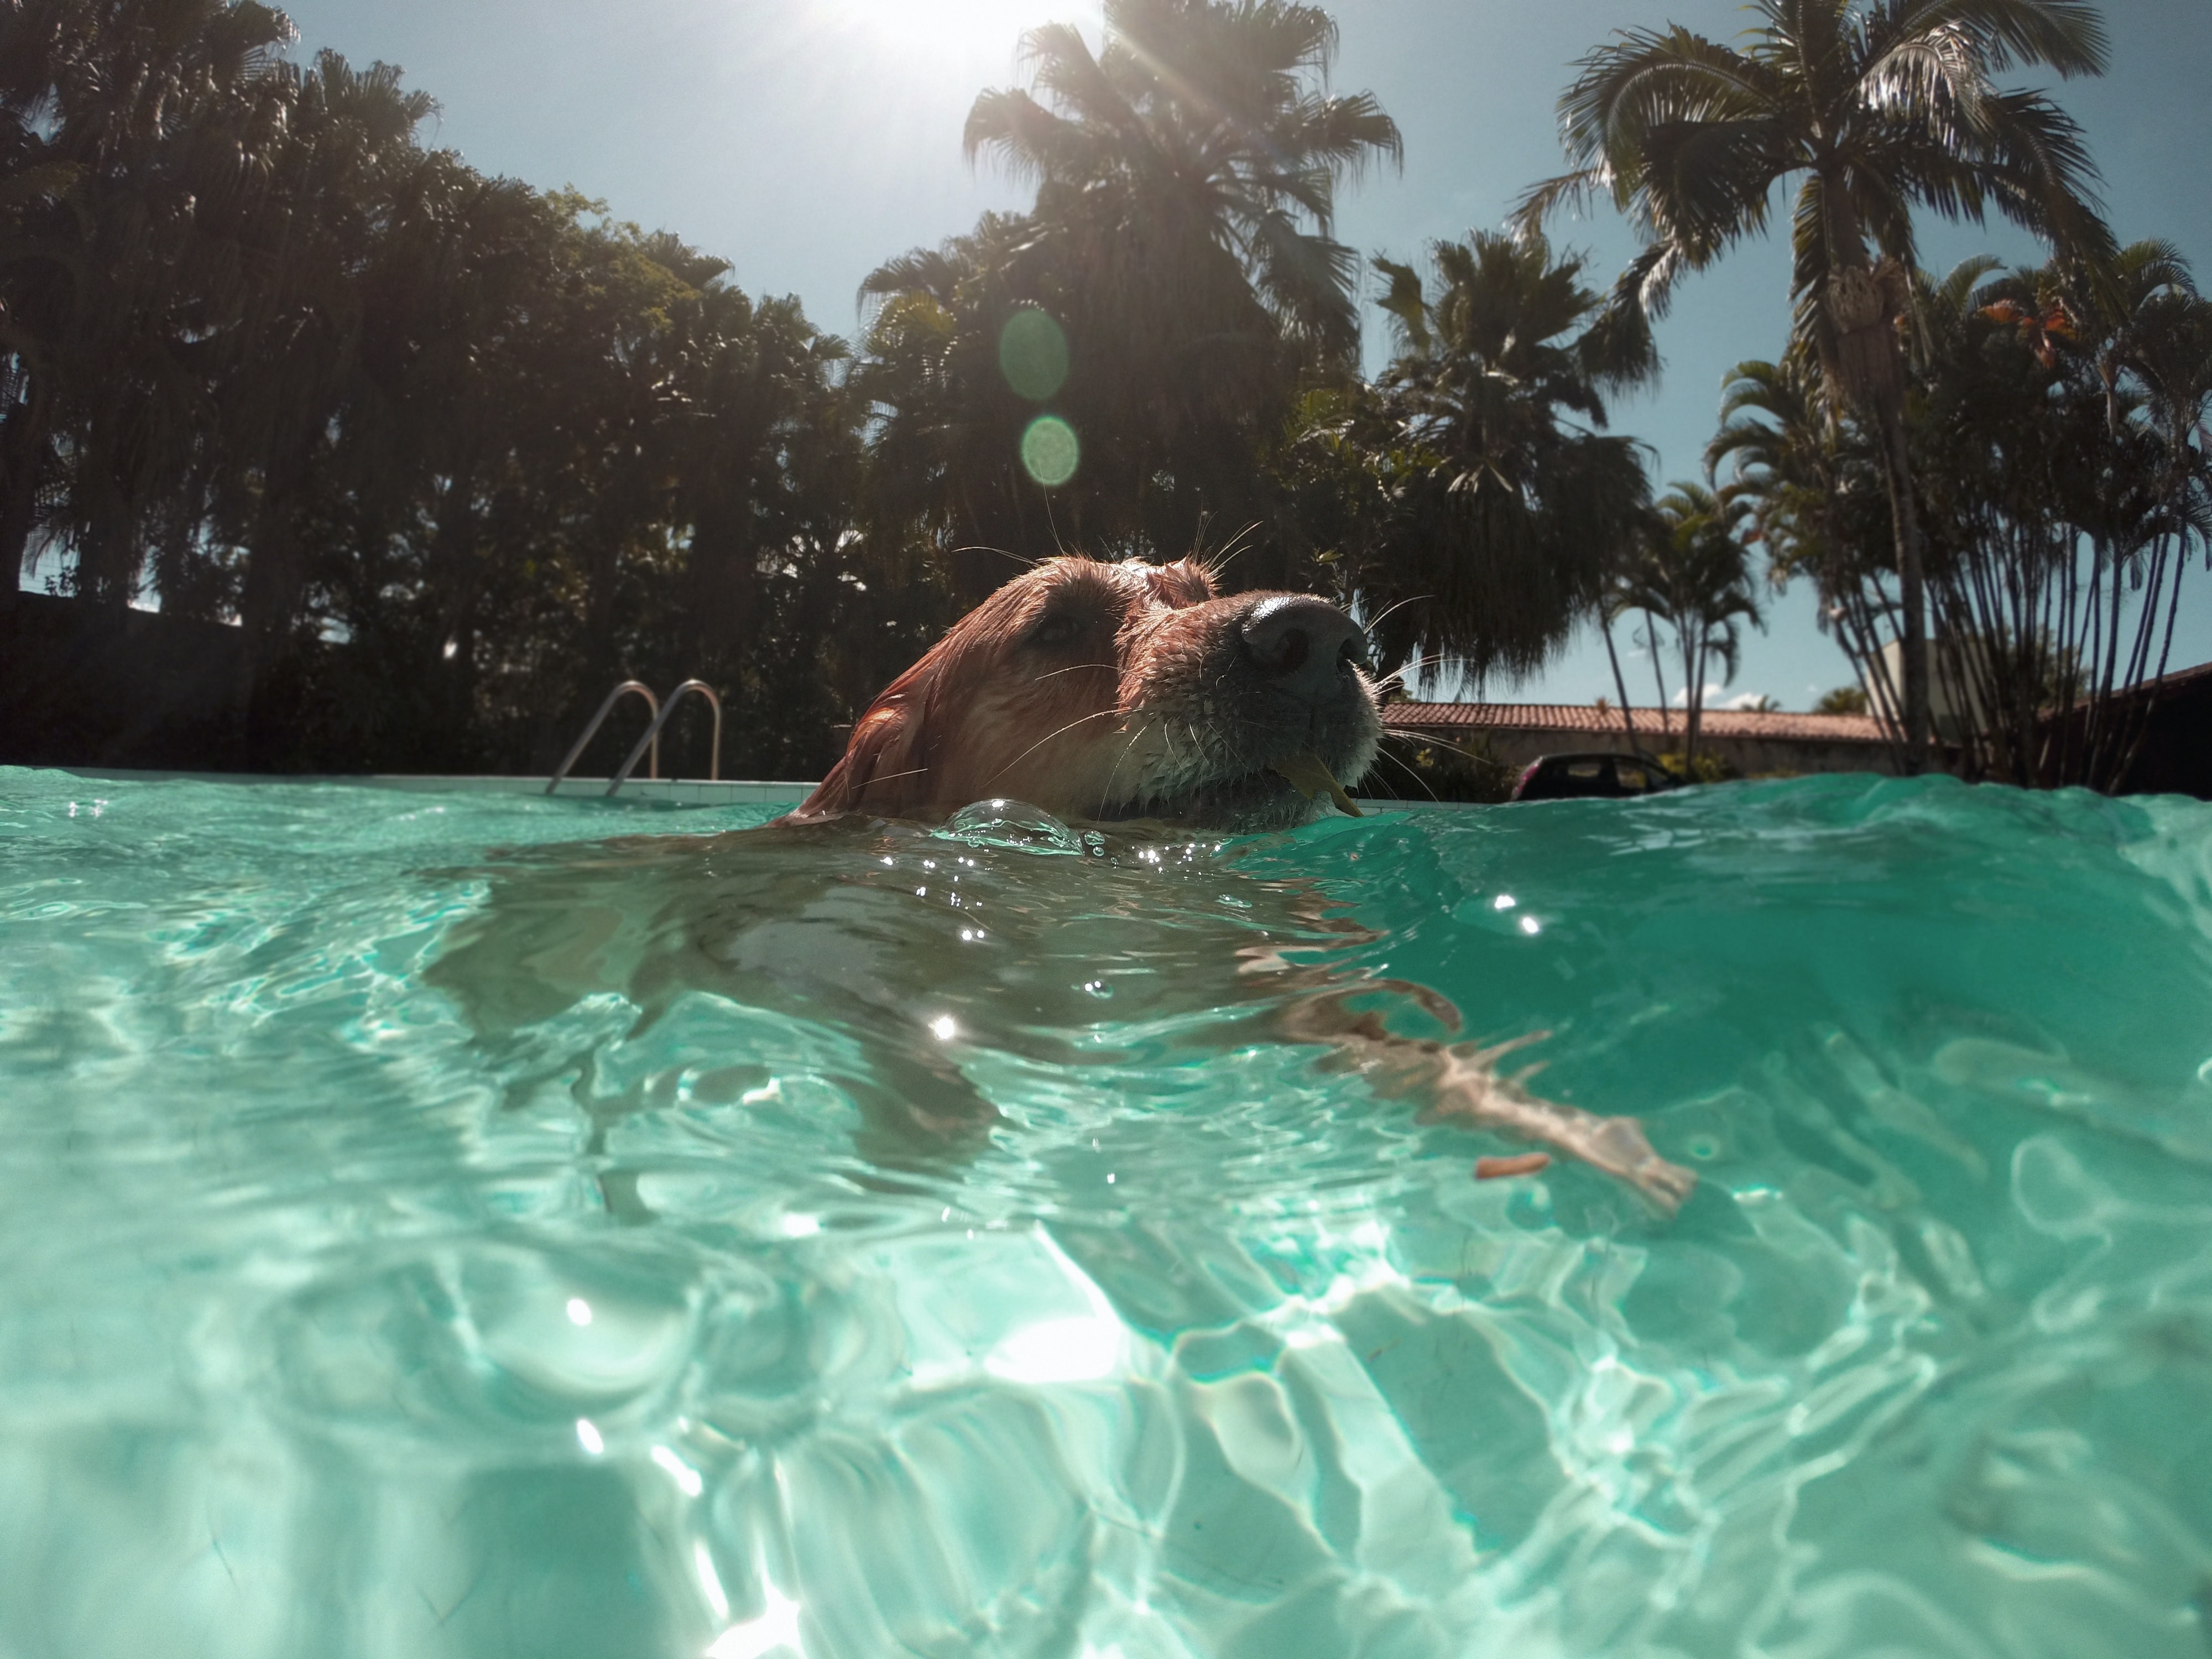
<point x="1952" y="708"/>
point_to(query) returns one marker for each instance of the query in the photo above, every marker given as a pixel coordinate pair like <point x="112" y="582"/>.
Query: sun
<point x="981" y="36"/>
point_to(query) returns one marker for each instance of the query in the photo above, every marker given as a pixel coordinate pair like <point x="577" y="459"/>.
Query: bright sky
<point x="808" y="140"/>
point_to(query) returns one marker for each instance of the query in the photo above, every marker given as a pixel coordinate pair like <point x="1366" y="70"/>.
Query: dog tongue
<point x="1310" y="778"/>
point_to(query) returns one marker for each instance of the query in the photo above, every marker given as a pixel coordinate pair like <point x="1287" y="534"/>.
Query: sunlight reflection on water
<point x="424" y="1250"/>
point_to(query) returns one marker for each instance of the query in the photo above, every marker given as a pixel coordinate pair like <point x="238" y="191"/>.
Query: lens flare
<point x="1033" y="353"/>
<point x="1050" y="452"/>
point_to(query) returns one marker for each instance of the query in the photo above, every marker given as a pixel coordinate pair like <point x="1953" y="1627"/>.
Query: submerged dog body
<point x="1117" y="692"/>
<point x="916" y="973"/>
<point x="1108" y="692"/>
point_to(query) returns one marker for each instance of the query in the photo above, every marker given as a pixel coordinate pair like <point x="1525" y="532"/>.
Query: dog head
<point x="1104" y="692"/>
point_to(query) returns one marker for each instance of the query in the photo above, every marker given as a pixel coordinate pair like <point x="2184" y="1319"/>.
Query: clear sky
<point x="805" y="141"/>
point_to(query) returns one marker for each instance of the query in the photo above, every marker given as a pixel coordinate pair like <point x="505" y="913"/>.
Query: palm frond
<point x="1402" y="302"/>
<point x="2065" y="35"/>
<point x="1573" y="190"/>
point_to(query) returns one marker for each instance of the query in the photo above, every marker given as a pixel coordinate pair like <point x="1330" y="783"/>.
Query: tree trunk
<point x="1861" y="356"/>
<point x="268" y="599"/>
<point x="22" y="447"/>
<point x="1693" y="692"/>
<point x="266" y="605"/>
<point x="1619" y="683"/>
<point x="1651" y="633"/>
<point x="1911" y="588"/>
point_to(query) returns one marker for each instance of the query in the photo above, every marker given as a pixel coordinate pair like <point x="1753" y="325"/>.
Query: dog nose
<point x="1302" y="640"/>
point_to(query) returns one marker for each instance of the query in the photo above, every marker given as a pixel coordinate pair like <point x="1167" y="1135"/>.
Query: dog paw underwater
<point x="1013" y="1234"/>
<point x="946" y="987"/>
<point x="1041" y="1016"/>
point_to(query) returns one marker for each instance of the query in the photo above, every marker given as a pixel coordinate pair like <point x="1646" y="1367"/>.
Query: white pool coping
<point x="682" y="792"/>
<point x="677" y="792"/>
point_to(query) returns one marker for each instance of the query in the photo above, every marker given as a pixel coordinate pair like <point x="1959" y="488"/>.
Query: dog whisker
<point x="1106" y="794"/>
<point x="1384" y="754"/>
<point x="1080" y="720"/>
<point x="1427" y="742"/>
<point x="1393" y="611"/>
<point x="1208" y="693"/>
<point x="1021" y="559"/>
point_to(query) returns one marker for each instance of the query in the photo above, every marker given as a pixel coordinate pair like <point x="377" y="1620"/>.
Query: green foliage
<point x="1705" y="767"/>
<point x="1692" y="570"/>
<point x="1410" y="769"/>
<point x="1465" y="503"/>
<point x="2058" y="413"/>
<point x="1872" y="110"/>
<point x="457" y="453"/>
<point x="1181" y="239"/>
<point x="1842" y="699"/>
<point x="2054" y="421"/>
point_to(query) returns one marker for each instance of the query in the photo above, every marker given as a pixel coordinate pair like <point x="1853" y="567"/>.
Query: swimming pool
<point x="465" y="1225"/>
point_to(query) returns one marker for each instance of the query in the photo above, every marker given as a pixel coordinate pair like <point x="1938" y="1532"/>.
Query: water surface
<point x="474" y="1224"/>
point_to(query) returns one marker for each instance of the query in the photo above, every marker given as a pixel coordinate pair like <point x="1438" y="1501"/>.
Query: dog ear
<point x="1185" y="582"/>
<point x="886" y="766"/>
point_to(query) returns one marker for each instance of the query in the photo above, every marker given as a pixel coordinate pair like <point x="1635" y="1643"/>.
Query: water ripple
<point x="464" y="1224"/>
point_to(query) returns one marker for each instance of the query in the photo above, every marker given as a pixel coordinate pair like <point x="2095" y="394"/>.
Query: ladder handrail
<point x="592" y="731"/>
<point x="652" y="735"/>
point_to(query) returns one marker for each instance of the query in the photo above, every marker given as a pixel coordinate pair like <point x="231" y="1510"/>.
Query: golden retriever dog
<point x="1132" y="694"/>
<point x="1103" y="693"/>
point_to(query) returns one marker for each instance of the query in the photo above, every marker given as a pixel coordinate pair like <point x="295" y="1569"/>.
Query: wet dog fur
<point x="1126" y="694"/>
<point x="1108" y="693"/>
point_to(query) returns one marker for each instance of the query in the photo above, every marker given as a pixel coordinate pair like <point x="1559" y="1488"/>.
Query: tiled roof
<point x="1588" y="720"/>
<point x="2179" y="679"/>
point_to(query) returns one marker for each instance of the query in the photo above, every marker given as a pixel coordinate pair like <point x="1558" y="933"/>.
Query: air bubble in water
<point x="1013" y="824"/>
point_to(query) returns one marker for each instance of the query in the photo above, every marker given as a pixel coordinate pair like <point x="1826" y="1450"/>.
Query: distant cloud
<point x="1742" y="700"/>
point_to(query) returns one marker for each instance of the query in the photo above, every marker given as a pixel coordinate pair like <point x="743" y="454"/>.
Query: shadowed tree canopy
<point x="456" y="454"/>
<point x="1207" y="128"/>
<point x="1692" y="570"/>
<point x="448" y="455"/>
<point x="1471" y="504"/>
<point x="1181" y="238"/>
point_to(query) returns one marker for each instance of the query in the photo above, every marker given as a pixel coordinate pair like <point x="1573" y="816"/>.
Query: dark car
<point x="1605" y="775"/>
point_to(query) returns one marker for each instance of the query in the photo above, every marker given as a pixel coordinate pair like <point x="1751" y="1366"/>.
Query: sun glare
<point x="982" y="34"/>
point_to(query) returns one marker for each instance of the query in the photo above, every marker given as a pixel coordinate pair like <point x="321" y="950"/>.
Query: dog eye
<point x="1055" y="630"/>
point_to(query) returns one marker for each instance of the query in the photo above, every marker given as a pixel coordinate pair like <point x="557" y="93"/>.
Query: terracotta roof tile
<point x="1587" y="719"/>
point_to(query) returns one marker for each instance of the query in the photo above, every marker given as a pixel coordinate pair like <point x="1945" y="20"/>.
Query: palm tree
<point x="2149" y="329"/>
<point x="1876" y="107"/>
<point x="2059" y="413"/>
<point x="1695" y="570"/>
<point x="1808" y="481"/>
<point x="1184" y="238"/>
<point x="1510" y="504"/>
<point x="1201" y="122"/>
<point x="945" y="460"/>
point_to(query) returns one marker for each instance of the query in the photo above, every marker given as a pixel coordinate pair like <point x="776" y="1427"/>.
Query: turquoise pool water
<point x="478" y="1225"/>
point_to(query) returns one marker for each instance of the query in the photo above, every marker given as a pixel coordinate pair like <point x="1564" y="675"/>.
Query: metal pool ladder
<point x="652" y="738"/>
